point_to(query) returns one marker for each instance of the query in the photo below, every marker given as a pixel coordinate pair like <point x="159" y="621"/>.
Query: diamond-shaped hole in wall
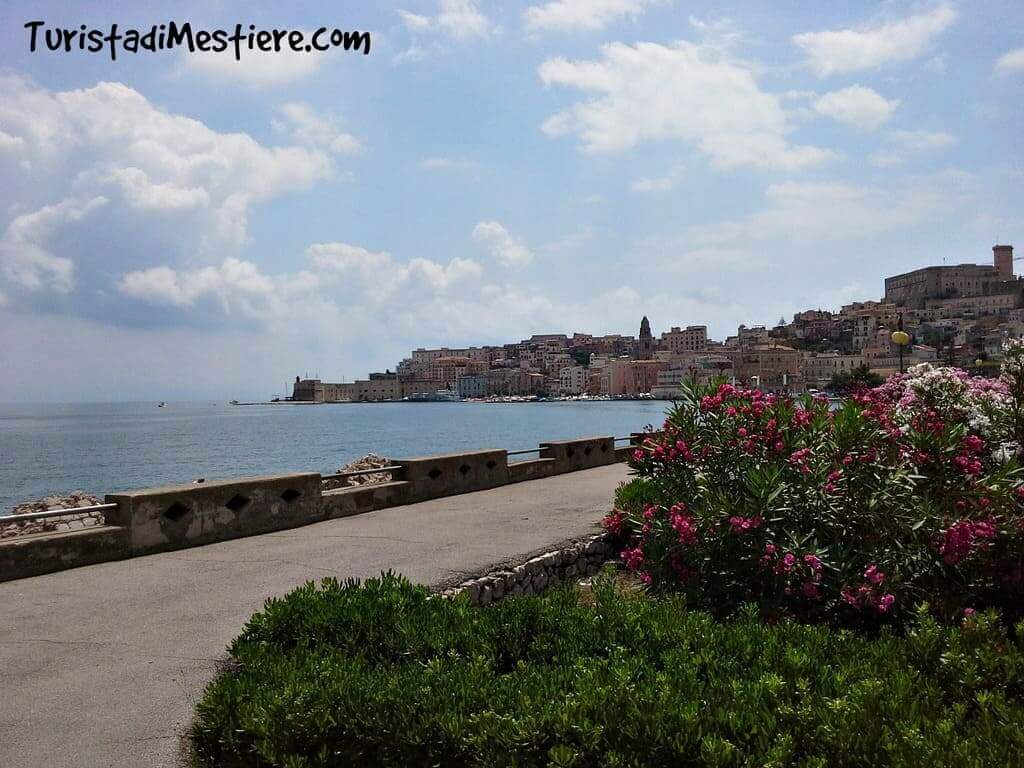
<point x="237" y="503"/>
<point x="434" y="473"/>
<point x="604" y="447"/>
<point x="491" y="464"/>
<point x="587" y="451"/>
<point x="290" y="495"/>
<point x="464" y="469"/>
<point x="176" y="511"/>
<point x="569" y="452"/>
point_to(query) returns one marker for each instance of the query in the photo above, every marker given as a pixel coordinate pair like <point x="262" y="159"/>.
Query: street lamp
<point x="900" y="338"/>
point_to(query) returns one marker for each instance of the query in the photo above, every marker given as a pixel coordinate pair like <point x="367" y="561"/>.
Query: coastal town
<point x="958" y="314"/>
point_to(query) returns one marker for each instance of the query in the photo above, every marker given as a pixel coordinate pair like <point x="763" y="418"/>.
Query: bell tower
<point x="645" y="347"/>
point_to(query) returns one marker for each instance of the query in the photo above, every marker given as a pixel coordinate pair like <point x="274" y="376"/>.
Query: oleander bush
<point x="909" y="493"/>
<point x="382" y="674"/>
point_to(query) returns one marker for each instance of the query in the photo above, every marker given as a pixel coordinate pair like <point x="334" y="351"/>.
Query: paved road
<point x="100" y="666"/>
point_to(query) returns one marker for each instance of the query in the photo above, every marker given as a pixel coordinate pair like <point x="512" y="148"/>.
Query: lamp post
<point x="900" y="338"/>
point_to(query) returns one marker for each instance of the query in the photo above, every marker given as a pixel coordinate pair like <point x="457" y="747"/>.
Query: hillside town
<point x="959" y="314"/>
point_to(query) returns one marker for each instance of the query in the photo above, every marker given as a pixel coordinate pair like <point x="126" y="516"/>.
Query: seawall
<point x="180" y="516"/>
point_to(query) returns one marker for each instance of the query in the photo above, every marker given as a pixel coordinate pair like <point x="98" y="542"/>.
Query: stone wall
<point x="538" y="574"/>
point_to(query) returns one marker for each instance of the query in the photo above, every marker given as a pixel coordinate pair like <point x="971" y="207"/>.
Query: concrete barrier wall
<point x="585" y="453"/>
<point x="179" y="516"/>
<point x="199" y="513"/>
<point x="432" y="477"/>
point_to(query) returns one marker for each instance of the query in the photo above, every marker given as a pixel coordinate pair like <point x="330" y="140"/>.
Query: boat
<point x="440" y="396"/>
<point x="161" y="404"/>
<point x="232" y="402"/>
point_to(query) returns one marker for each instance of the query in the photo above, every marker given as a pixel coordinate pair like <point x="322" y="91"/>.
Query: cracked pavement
<point x="102" y="665"/>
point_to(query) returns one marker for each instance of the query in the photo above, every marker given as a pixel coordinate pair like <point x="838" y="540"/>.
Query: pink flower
<point x="968" y="612"/>
<point x="638" y="455"/>
<point x="649" y="512"/>
<point x="974" y="443"/>
<point x="613" y="522"/>
<point x="645" y="577"/>
<point x="742" y="432"/>
<point x="885" y="602"/>
<point x="633" y="558"/>
<point x="813" y="562"/>
<point x="874" y="575"/>
<point x="810" y="590"/>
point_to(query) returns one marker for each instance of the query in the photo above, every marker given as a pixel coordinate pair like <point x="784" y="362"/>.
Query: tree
<point x="844" y="382"/>
<point x="581" y="356"/>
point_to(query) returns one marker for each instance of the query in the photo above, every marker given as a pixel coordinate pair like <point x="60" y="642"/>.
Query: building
<point x="693" y="338"/>
<point x="819" y="368"/>
<point x="768" y="367"/>
<point x="913" y="289"/>
<point x="645" y="344"/>
<point x="474" y="386"/>
<point x="572" y="380"/>
<point x="626" y="377"/>
<point x="703" y="369"/>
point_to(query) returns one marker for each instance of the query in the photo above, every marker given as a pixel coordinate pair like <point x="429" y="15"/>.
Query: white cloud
<point x="256" y="69"/>
<point x="447" y="163"/>
<point x="858" y="106"/>
<point x="660" y="183"/>
<point x="868" y="47"/>
<point x="314" y="130"/>
<point x="456" y="19"/>
<point x="1011" y="61"/>
<point x="906" y="143"/>
<point x="575" y="15"/>
<point x="685" y="91"/>
<point x="114" y="180"/>
<point x="501" y="244"/>
<point x="237" y="285"/>
<point x="811" y="213"/>
<point x="25" y="259"/>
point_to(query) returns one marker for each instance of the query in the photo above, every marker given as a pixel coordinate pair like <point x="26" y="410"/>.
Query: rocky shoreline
<point x="370" y="461"/>
<point x="69" y="522"/>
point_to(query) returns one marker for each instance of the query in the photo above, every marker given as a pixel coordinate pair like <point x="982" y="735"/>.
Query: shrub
<point x="382" y="675"/>
<point x="908" y="493"/>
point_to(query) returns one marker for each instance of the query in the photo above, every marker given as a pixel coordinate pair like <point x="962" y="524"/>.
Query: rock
<point x="540" y="581"/>
<point x="369" y="461"/>
<point x="485" y="595"/>
<point x="498" y="589"/>
<point x="68" y="501"/>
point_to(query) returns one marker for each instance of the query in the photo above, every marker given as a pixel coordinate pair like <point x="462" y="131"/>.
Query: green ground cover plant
<point x="384" y="674"/>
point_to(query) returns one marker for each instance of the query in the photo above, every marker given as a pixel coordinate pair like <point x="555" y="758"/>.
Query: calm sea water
<point x="110" y="447"/>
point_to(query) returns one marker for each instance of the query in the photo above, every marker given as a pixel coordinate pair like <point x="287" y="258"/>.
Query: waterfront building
<point x="474" y="386"/>
<point x="819" y="368"/>
<point x="572" y="380"/>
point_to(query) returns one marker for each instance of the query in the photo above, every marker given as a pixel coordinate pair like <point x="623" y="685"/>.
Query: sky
<point x="180" y="225"/>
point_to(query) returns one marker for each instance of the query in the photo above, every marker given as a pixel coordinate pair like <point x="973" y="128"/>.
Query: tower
<point x="1002" y="260"/>
<point x="645" y="348"/>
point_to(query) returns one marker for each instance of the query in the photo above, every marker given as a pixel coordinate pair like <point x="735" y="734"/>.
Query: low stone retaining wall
<point x="538" y="574"/>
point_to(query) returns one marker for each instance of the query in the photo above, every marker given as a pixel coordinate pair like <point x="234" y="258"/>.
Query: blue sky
<point x="186" y="226"/>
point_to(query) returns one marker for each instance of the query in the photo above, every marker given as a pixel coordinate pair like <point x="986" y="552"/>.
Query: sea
<point x="108" y="447"/>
